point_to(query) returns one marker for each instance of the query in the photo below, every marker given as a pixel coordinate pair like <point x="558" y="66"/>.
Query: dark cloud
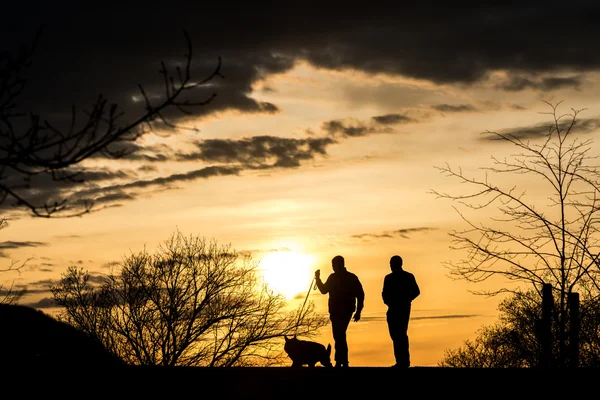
<point x="451" y="108"/>
<point x="260" y="152"/>
<point x="110" y="187"/>
<point x="352" y="127"/>
<point x="44" y="285"/>
<point x="443" y="44"/>
<point x="90" y="49"/>
<point x="11" y="245"/>
<point x="519" y="83"/>
<point x="137" y="152"/>
<point x="402" y="233"/>
<point x="585" y="126"/>
<point x="517" y="107"/>
<point x="391" y="119"/>
<point x="341" y="128"/>
<point x="147" y="168"/>
<point x="105" y="174"/>
<point x="106" y="195"/>
<point x="128" y="191"/>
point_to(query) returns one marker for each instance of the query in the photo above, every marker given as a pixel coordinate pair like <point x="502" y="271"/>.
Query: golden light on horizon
<point x="287" y="272"/>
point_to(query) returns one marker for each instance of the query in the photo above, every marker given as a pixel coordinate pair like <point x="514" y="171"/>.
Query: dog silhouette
<point x="305" y="352"/>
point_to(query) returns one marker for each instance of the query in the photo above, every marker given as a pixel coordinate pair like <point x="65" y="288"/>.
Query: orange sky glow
<point x="368" y="198"/>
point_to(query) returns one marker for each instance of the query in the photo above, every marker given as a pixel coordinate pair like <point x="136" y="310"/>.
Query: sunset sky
<point x="323" y="139"/>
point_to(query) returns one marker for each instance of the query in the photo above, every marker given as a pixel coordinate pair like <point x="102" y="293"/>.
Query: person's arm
<point x="323" y="287"/>
<point x="385" y="292"/>
<point x="415" y="291"/>
<point x="360" y="300"/>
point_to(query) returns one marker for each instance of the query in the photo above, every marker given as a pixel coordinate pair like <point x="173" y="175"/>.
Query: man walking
<point x="399" y="290"/>
<point x="346" y="296"/>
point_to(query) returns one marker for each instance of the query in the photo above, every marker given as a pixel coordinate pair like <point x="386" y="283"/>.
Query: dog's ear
<point x="286" y="338"/>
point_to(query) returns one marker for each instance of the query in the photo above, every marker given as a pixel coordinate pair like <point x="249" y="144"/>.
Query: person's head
<point x="396" y="263"/>
<point x="337" y="263"/>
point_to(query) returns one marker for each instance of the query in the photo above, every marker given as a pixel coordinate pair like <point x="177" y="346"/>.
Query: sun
<point x="287" y="272"/>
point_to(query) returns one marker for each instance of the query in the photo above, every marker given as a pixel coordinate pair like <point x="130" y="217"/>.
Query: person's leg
<point x="397" y="320"/>
<point x="339" y="326"/>
<point x="393" y="327"/>
<point x="405" y="319"/>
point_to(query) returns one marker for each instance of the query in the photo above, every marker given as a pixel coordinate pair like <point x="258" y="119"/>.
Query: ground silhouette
<point x="31" y="338"/>
<point x="40" y="355"/>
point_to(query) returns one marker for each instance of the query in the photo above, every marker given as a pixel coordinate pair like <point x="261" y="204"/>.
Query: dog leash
<point x="305" y="299"/>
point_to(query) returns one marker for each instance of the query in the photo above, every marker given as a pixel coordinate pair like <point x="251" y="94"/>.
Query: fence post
<point x="546" y="327"/>
<point x="574" y="328"/>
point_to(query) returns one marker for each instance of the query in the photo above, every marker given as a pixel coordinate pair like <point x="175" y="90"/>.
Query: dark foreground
<point x="306" y="383"/>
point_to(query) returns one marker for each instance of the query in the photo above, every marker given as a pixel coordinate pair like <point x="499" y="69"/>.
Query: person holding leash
<point x="346" y="297"/>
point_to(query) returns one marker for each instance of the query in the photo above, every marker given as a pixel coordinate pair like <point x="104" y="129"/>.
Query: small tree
<point x="528" y="240"/>
<point x="191" y="303"/>
<point x="513" y="341"/>
<point x="9" y="294"/>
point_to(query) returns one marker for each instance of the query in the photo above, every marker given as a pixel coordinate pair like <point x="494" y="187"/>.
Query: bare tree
<point x="550" y="237"/>
<point x="31" y="146"/>
<point x="191" y="303"/>
<point x="512" y="342"/>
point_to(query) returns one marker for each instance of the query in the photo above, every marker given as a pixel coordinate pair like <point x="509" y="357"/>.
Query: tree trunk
<point x="545" y="329"/>
<point x="574" y="328"/>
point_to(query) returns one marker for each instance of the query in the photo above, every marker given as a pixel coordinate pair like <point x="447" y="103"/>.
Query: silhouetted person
<point x="399" y="290"/>
<point x="346" y="296"/>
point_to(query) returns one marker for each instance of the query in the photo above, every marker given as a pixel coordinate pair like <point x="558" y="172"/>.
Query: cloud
<point x="147" y="168"/>
<point x="128" y="191"/>
<point x="439" y="44"/>
<point x="43" y="286"/>
<point x="11" y="245"/>
<point x="537" y="131"/>
<point x="391" y="119"/>
<point x="352" y="127"/>
<point x="108" y="194"/>
<point x="349" y="128"/>
<point x="545" y="84"/>
<point x="401" y="233"/>
<point x="415" y="318"/>
<point x="450" y="108"/>
<point x="46" y="302"/>
<point x="138" y="152"/>
<point x="106" y="187"/>
<point x="263" y="251"/>
<point x="77" y="59"/>
<point x="259" y="152"/>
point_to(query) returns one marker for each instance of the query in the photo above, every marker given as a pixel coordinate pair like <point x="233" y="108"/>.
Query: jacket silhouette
<point x="346" y="296"/>
<point x="400" y="288"/>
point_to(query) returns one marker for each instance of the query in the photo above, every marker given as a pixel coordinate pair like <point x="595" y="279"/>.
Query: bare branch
<point x="527" y="240"/>
<point x="43" y="149"/>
